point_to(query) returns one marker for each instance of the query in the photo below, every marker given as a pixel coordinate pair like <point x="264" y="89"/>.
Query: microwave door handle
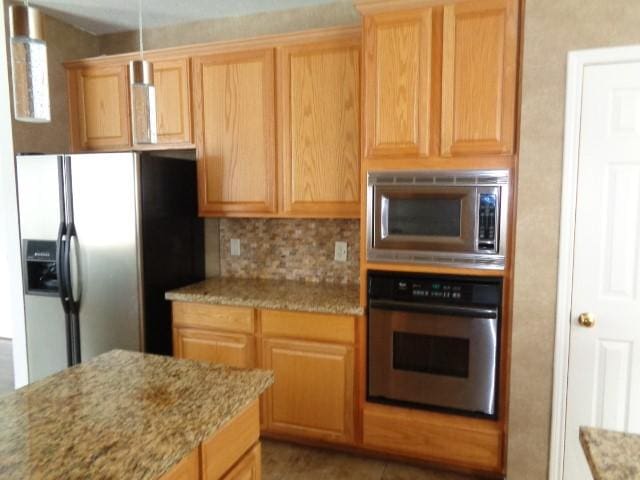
<point x="438" y="309"/>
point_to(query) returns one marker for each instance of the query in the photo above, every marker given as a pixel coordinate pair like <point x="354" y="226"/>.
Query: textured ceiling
<point x="108" y="16"/>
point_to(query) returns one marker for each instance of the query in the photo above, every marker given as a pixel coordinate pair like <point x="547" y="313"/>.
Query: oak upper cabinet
<point x="319" y="127"/>
<point x="99" y="107"/>
<point x="173" y="102"/>
<point x="234" y="120"/>
<point x="214" y="333"/>
<point x="398" y="82"/>
<point x="479" y="77"/>
<point x="312" y="357"/>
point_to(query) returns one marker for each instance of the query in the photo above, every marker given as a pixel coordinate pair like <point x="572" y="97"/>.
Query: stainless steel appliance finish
<point x="450" y="217"/>
<point x="91" y="283"/>
<point x="433" y="342"/>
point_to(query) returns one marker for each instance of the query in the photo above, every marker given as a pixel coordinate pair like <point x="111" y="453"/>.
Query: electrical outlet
<point x="340" y="252"/>
<point x="235" y="247"/>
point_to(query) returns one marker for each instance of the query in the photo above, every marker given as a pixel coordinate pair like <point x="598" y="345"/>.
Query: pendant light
<point x="29" y="65"/>
<point x="143" y="95"/>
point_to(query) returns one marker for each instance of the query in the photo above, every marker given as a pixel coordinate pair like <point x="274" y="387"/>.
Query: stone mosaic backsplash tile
<point x="290" y="249"/>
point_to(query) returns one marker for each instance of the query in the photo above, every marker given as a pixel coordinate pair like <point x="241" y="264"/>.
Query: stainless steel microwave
<point x="457" y="218"/>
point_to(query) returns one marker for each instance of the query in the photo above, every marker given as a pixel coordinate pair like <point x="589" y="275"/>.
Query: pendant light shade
<point x="29" y="65"/>
<point x="143" y="102"/>
<point x="143" y="95"/>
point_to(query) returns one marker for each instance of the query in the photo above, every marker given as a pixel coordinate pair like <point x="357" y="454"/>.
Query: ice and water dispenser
<point x="40" y="268"/>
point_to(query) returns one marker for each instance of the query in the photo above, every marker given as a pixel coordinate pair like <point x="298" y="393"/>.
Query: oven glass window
<point x="431" y="354"/>
<point x="427" y="216"/>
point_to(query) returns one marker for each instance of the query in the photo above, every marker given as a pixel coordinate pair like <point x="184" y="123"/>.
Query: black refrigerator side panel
<point x="172" y="239"/>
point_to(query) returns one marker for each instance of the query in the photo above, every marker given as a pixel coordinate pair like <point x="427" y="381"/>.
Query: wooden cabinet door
<point x="99" y="108"/>
<point x="187" y="469"/>
<point x="235" y="132"/>
<point x="173" y="104"/>
<point x="398" y="60"/>
<point x="248" y="468"/>
<point x="313" y="393"/>
<point x="236" y="350"/>
<point x="319" y="100"/>
<point x="479" y="77"/>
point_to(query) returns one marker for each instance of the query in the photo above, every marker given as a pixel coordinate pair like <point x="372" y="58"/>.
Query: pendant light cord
<point x="140" y="28"/>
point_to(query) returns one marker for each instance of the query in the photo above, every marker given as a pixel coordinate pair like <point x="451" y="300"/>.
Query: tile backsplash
<point x="290" y="249"/>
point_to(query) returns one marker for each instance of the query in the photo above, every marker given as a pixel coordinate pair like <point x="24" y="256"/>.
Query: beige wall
<point x="64" y="42"/>
<point x="552" y="28"/>
<point x="333" y="14"/>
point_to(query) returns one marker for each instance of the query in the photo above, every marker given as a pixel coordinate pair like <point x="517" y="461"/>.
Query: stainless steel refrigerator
<point x="103" y="236"/>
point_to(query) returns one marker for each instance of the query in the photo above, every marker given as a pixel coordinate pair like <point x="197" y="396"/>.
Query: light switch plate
<point x="235" y="247"/>
<point x="340" y="252"/>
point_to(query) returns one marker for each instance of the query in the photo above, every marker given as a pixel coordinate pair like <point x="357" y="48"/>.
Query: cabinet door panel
<point x="248" y="468"/>
<point x="99" y="108"/>
<point x="173" y="112"/>
<point x="235" y="136"/>
<point x="313" y="393"/>
<point x="235" y="350"/>
<point x="320" y="128"/>
<point x="479" y="77"/>
<point x="398" y="83"/>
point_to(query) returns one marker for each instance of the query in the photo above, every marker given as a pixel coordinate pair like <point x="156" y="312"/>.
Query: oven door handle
<point x="438" y="309"/>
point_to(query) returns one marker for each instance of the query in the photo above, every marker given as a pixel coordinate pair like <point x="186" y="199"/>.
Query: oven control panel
<point x="434" y="289"/>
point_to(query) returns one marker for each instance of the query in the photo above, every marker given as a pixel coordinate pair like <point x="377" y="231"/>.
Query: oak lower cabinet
<point x="233" y="453"/>
<point x="99" y="107"/>
<point x="319" y="127"/>
<point x="313" y="391"/>
<point x="234" y="119"/>
<point x="312" y="357"/>
<point x="248" y="468"/>
<point x="214" y="333"/>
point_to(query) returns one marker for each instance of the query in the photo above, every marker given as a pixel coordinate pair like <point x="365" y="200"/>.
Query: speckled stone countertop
<point x="121" y="415"/>
<point x="611" y="455"/>
<point x="273" y="294"/>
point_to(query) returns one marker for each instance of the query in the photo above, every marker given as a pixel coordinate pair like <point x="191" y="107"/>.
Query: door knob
<point x="587" y="320"/>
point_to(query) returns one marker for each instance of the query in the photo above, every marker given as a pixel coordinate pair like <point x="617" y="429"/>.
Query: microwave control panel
<point x="487" y="222"/>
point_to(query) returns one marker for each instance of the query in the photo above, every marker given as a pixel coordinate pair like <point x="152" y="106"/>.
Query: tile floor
<point x="6" y="366"/>
<point x="284" y="461"/>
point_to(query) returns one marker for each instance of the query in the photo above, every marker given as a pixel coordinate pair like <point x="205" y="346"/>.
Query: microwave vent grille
<point x="441" y="178"/>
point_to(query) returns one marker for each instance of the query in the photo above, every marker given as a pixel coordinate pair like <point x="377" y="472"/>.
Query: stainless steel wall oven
<point x="452" y="217"/>
<point x="434" y="342"/>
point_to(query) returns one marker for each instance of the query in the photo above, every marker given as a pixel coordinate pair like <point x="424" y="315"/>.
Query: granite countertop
<point x="121" y="415"/>
<point x="273" y="294"/>
<point x="611" y="455"/>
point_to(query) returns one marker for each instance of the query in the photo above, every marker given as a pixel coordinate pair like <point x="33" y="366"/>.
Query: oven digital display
<point x="436" y="355"/>
<point x="426" y="216"/>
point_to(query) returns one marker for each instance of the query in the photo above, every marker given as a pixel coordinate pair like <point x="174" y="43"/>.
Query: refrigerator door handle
<point x="60" y="267"/>
<point x="72" y="268"/>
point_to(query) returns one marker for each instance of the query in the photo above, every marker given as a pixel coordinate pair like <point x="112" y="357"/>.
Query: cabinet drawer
<point x="467" y="443"/>
<point x="233" y="319"/>
<point x="223" y="450"/>
<point x="233" y="349"/>
<point x="308" y="326"/>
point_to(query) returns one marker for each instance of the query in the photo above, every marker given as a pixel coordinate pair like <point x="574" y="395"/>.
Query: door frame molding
<point x="577" y="61"/>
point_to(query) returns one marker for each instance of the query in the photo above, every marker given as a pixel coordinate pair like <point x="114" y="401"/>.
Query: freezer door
<point x="105" y="261"/>
<point x="39" y="209"/>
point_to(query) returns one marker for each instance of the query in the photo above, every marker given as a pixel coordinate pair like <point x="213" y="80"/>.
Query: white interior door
<point x="604" y="359"/>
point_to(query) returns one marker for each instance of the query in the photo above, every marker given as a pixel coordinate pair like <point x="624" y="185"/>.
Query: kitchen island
<point x="611" y="455"/>
<point x="135" y="416"/>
